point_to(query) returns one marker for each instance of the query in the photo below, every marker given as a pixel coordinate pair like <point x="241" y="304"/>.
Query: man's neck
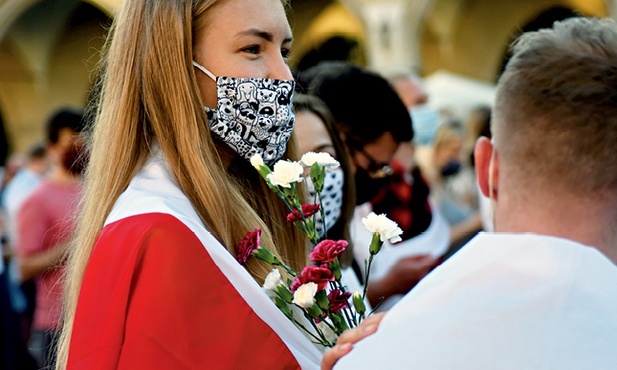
<point x="586" y="221"/>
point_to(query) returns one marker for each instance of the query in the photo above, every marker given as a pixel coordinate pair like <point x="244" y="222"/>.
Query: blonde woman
<point x="190" y="90"/>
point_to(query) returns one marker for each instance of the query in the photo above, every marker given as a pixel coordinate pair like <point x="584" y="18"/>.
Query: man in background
<point x="44" y="226"/>
<point x="22" y="292"/>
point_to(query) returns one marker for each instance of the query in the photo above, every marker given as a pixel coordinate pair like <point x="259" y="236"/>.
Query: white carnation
<point x="285" y="173"/>
<point x="257" y="161"/>
<point x="273" y="280"/>
<point x="323" y="159"/>
<point x="386" y="228"/>
<point x="304" y="296"/>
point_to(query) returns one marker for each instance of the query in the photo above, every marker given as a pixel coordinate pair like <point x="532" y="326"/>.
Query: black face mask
<point x="452" y="167"/>
<point x="367" y="188"/>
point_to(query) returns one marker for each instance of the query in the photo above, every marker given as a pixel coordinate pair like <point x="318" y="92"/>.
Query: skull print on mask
<point x="253" y="115"/>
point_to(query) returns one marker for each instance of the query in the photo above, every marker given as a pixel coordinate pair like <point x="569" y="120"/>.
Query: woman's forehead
<point x="240" y="18"/>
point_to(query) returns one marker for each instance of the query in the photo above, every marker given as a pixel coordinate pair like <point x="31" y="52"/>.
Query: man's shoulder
<point x="513" y="299"/>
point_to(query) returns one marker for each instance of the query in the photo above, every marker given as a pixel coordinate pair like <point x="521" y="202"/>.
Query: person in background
<point x="539" y="292"/>
<point x="13" y="164"/>
<point x="425" y="120"/>
<point x="27" y="178"/>
<point x="44" y="226"/>
<point x="15" y="193"/>
<point x="453" y="184"/>
<point x="372" y="136"/>
<point x="316" y="132"/>
<point x="424" y="117"/>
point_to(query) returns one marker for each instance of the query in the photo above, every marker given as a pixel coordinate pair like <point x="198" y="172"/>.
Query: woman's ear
<point x="483" y="153"/>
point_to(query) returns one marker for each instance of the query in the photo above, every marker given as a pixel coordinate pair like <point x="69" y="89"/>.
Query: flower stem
<point x="322" y="341"/>
<point x="289" y="270"/>
<point x="310" y="319"/>
<point x="367" y="272"/>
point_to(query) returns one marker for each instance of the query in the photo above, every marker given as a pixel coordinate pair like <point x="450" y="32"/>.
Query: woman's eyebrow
<point x="268" y="36"/>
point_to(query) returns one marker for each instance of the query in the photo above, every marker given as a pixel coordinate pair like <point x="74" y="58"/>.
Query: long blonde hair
<point x="148" y="93"/>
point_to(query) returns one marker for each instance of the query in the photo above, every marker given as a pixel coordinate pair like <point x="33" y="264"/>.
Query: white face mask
<point x="331" y="199"/>
<point x="253" y="115"/>
<point x="425" y="120"/>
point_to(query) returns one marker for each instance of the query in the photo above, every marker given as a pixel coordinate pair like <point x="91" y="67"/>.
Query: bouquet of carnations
<point x="316" y="299"/>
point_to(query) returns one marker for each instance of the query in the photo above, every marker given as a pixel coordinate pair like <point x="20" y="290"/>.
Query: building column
<point x="393" y="32"/>
<point x="612" y="8"/>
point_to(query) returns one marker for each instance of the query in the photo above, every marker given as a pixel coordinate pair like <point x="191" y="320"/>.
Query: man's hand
<point x="345" y="342"/>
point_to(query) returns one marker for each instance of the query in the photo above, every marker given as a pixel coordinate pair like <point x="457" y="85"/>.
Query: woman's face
<point x="312" y="134"/>
<point x="243" y="38"/>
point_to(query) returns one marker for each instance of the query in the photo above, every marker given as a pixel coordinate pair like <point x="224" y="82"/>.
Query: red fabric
<point x="404" y="202"/>
<point x="152" y="298"/>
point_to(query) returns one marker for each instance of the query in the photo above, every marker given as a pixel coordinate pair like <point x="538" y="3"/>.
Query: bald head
<point x="410" y="89"/>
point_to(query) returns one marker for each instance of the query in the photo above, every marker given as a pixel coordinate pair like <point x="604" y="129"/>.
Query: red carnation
<point x="327" y="251"/>
<point x="248" y="245"/>
<point x="338" y="300"/>
<point x="319" y="275"/>
<point x="307" y="210"/>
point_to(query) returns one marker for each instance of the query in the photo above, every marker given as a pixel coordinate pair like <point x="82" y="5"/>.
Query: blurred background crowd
<point x="441" y="57"/>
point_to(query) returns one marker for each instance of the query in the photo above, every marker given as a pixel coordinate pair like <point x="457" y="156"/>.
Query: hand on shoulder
<point x="345" y="342"/>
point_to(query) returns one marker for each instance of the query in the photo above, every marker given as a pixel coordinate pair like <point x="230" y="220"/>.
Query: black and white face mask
<point x="331" y="199"/>
<point x="253" y="115"/>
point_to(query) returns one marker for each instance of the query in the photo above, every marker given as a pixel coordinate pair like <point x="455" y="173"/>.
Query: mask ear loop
<point x="204" y="70"/>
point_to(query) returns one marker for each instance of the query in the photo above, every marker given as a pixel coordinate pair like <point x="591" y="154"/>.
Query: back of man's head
<point x="555" y="119"/>
<point x="63" y="119"/>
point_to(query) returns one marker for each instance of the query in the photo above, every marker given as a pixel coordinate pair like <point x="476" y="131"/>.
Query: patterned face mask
<point x="253" y="115"/>
<point x="331" y="199"/>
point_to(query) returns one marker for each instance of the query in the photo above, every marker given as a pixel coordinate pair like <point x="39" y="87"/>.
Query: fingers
<point x="345" y="341"/>
<point x="334" y="354"/>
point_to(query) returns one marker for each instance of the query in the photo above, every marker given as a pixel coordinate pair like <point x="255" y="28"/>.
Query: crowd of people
<point x="120" y="233"/>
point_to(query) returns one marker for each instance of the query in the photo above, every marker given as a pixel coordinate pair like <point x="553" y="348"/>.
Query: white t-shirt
<point x="504" y="301"/>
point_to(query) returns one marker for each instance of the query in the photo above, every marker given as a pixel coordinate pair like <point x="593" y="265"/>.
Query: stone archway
<point x="46" y="57"/>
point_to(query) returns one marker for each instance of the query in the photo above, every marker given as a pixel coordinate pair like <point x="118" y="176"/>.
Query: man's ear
<point x="483" y="153"/>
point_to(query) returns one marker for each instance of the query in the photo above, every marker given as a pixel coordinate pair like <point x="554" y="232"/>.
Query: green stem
<point x="351" y="321"/>
<point x="367" y="271"/>
<point x="322" y="341"/>
<point x="310" y="319"/>
<point x="289" y="270"/>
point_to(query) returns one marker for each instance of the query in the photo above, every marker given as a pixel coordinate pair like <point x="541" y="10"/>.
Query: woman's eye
<point x="253" y="49"/>
<point x="285" y="53"/>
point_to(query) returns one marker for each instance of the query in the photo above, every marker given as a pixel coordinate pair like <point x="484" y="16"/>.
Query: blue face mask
<point x="253" y="115"/>
<point x="425" y="120"/>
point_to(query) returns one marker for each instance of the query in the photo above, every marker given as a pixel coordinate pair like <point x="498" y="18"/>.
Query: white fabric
<point x="433" y="241"/>
<point x="15" y="194"/>
<point x="153" y="190"/>
<point x="504" y="301"/>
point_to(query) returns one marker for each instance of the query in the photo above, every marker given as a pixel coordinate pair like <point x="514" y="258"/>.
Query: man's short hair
<point x="555" y="118"/>
<point x="37" y="151"/>
<point x="63" y="118"/>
